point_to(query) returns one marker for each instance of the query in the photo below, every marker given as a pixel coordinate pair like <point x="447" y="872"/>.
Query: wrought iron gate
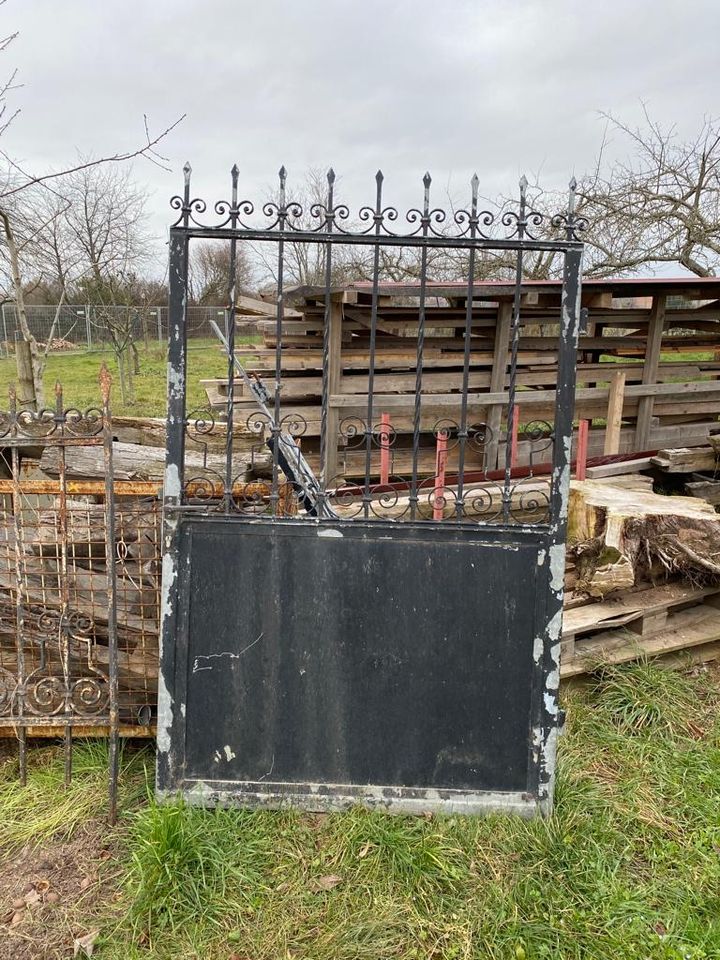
<point x="58" y="615"/>
<point x="396" y="641"/>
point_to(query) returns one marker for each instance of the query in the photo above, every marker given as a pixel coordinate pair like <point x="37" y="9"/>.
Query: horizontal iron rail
<point x="371" y="240"/>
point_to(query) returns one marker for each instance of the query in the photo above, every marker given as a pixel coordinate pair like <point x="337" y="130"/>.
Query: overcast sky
<point x="453" y="86"/>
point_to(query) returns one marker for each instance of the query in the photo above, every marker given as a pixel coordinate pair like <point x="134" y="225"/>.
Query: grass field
<point x="78" y="373"/>
<point x="628" y="866"/>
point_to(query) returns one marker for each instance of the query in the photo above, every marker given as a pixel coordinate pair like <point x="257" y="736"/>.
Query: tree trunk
<point x="26" y="382"/>
<point x="129" y="375"/>
<point x="136" y="358"/>
<point x="121" y="376"/>
<point x="623" y="534"/>
<point x="36" y="399"/>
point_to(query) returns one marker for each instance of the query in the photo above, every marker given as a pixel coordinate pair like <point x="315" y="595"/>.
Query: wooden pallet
<point x="651" y="622"/>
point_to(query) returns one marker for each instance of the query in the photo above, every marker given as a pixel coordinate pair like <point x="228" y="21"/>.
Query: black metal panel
<point x="338" y="655"/>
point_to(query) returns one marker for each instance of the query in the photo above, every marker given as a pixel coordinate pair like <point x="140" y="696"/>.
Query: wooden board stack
<point x="663" y="336"/>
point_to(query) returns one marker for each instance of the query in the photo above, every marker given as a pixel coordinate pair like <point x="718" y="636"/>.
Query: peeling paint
<point x="557" y="567"/>
<point x="330" y="797"/>
<point x="538" y="648"/>
<point x="172" y="481"/>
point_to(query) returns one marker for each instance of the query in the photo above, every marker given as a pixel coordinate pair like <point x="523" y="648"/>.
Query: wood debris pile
<point x="643" y="575"/>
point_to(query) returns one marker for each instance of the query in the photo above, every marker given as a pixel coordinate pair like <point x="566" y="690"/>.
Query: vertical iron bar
<point x="417" y="411"/>
<point x="515" y="342"/>
<point x="230" y="337"/>
<point x="565" y="391"/>
<point x="177" y="373"/>
<point x="173" y="485"/>
<point x="276" y="430"/>
<point x="111" y="573"/>
<point x="378" y="220"/>
<point x="463" y="431"/>
<point x="554" y="557"/>
<point x="325" y="440"/>
<point x="19" y="605"/>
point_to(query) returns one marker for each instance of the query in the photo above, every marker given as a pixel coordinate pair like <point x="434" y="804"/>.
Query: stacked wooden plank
<point x="695" y="470"/>
<point x="667" y="349"/>
<point x="51" y="579"/>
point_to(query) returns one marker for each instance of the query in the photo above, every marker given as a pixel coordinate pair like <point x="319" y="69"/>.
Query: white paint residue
<point x="329" y="532"/>
<point x="551" y="704"/>
<point x="538" y="647"/>
<point x="229" y="755"/>
<point x="557" y="567"/>
<point x="272" y="767"/>
<point x="202" y="663"/>
<point x="172" y="481"/>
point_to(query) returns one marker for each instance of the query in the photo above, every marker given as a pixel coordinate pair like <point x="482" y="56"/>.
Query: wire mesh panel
<point x="394" y="406"/>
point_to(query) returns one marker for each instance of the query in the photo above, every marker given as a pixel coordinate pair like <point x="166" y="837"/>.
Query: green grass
<point x="628" y="866"/>
<point x="46" y="809"/>
<point x="78" y="373"/>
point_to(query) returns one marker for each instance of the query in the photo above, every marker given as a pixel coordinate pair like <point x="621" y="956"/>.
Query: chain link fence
<point x="85" y="327"/>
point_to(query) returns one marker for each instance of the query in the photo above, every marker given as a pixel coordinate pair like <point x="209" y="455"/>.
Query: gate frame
<point x="545" y="714"/>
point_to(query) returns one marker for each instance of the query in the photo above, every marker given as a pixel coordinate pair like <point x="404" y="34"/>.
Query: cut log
<point x="621" y="533"/>
<point x="133" y="462"/>
<point x="202" y="427"/>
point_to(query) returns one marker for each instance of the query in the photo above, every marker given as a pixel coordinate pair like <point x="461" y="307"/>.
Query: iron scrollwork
<point x="286" y="214"/>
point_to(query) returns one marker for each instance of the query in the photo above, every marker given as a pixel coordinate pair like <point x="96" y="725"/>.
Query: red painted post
<point x="440" y="465"/>
<point x="582" y="449"/>
<point x="514" y="437"/>
<point x="385" y="448"/>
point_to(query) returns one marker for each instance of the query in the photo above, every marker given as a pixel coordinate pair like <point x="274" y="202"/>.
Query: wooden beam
<point x="650" y="370"/>
<point x="497" y="379"/>
<point x="614" y="414"/>
<point x="582" y="449"/>
<point x="330" y="468"/>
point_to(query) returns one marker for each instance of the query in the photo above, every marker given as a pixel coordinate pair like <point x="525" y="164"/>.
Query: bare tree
<point x="660" y="205"/>
<point x="18" y="232"/>
<point x="119" y="310"/>
<point x="104" y="221"/>
<point x="210" y="270"/>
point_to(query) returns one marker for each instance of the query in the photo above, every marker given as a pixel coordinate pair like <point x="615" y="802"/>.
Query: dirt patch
<point x="52" y="895"/>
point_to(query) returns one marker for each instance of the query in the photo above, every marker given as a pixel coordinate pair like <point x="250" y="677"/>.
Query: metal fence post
<point x="159" y="325"/>
<point x="87" y="326"/>
<point x="4" y="323"/>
